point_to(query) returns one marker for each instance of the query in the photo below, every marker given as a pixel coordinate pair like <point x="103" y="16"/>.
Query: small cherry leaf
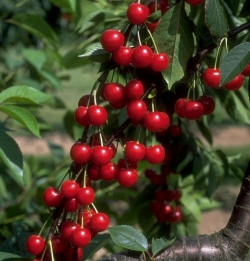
<point x="235" y="62"/>
<point x="154" y="17"/>
<point x="4" y="256"/>
<point x="128" y="237"/>
<point x="160" y="244"/>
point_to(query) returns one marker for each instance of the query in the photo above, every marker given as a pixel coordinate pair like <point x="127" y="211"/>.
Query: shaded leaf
<point x="69" y="5"/>
<point x="23" y="116"/>
<point x="160" y="244"/>
<point x="35" y="57"/>
<point x="91" y="20"/>
<point x="4" y="255"/>
<point x="191" y="206"/>
<point x="51" y="78"/>
<point x="245" y="11"/>
<point x="128" y="237"/>
<point x="205" y="130"/>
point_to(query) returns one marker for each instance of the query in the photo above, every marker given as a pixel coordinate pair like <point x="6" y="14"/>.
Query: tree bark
<point x="232" y="243"/>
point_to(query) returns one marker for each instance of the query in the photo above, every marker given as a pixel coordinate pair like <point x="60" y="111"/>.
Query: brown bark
<point x="230" y="244"/>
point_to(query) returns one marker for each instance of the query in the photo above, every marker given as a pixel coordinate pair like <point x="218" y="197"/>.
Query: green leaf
<point x="160" y="244"/>
<point x="172" y="36"/>
<point x="235" y="62"/>
<point x="91" y="20"/>
<point x="24" y="95"/>
<point x="205" y="130"/>
<point x="23" y="116"/>
<point x="245" y="11"/>
<point x="69" y="5"/>
<point x="11" y="155"/>
<point x="215" y="18"/>
<point x="36" y="26"/>
<point x="72" y="60"/>
<point x="207" y="204"/>
<point x="35" y="57"/>
<point x="128" y="237"/>
<point x="4" y="255"/>
<point x="51" y="78"/>
<point x="191" y="206"/>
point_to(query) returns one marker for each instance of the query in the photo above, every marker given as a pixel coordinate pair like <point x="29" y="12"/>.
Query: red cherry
<point x="159" y="62"/>
<point x="124" y="163"/>
<point x="85" y="196"/>
<point x="86" y="101"/>
<point x="108" y="172"/>
<point x="212" y="77"/>
<point x="123" y="55"/>
<point x="134" y="151"/>
<point x="70" y="205"/>
<point x="136" y="109"/>
<point x="97" y="115"/>
<point x="111" y="40"/>
<point x="52" y="197"/>
<point x="134" y="89"/>
<point x="113" y="92"/>
<point x="162" y="5"/>
<point x="67" y="228"/>
<point x="80" y="237"/>
<point x="73" y="253"/>
<point x="35" y="244"/>
<point x="175" y="130"/>
<point x="85" y="216"/>
<point x="246" y="71"/>
<point x="156" y="206"/>
<point x="99" y="222"/>
<point x="127" y="177"/>
<point x="137" y="13"/>
<point x="152" y="26"/>
<point x="81" y="116"/>
<point x="156" y="121"/>
<point x="179" y="106"/>
<point x="208" y="103"/>
<point x="59" y="243"/>
<point x="119" y="105"/>
<point x="142" y="56"/>
<point x="101" y="155"/>
<point x="176" y="215"/>
<point x="194" y="2"/>
<point x="69" y="188"/>
<point x="93" y="172"/>
<point x="80" y="153"/>
<point x="192" y="110"/>
<point x="155" y="154"/>
<point x="235" y="84"/>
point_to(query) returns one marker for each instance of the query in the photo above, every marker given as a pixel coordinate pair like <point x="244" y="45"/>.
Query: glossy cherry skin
<point x="142" y="56"/>
<point x="123" y="55"/>
<point x="81" y="116"/>
<point x="70" y="253"/>
<point x="52" y="197"/>
<point x="35" y="244"/>
<point x="134" y="151"/>
<point x="84" y="216"/>
<point x="136" y="109"/>
<point x="99" y="222"/>
<point x="235" y="84"/>
<point x="152" y="26"/>
<point x="246" y="71"/>
<point x="159" y="62"/>
<point x="101" y="155"/>
<point x="155" y="154"/>
<point x="108" y="172"/>
<point x="85" y="196"/>
<point x="137" y="13"/>
<point x="194" y="2"/>
<point x="192" y="110"/>
<point x="127" y="177"/>
<point x="111" y="40"/>
<point x="69" y="188"/>
<point x="67" y="228"/>
<point x="208" y="103"/>
<point x="93" y="172"/>
<point x="113" y="92"/>
<point x="59" y="244"/>
<point x="80" y="237"/>
<point x="86" y="100"/>
<point x="212" y="77"/>
<point x="134" y="89"/>
<point x="156" y="121"/>
<point x="97" y="115"/>
<point x="71" y="205"/>
<point x="80" y="153"/>
<point x="179" y="106"/>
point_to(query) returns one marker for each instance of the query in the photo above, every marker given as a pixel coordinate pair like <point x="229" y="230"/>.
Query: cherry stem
<point x="94" y="207"/>
<point x="44" y="224"/>
<point x="218" y="52"/>
<point x="51" y="250"/>
<point x="139" y="37"/>
<point x="153" y="40"/>
<point x="100" y="135"/>
<point x="85" y="177"/>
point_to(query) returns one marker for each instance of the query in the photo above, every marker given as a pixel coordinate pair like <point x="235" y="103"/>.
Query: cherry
<point x="155" y="154"/>
<point x="152" y="26"/>
<point x="73" y="253"/>
<point x="156" y="121"/>
<point x="175" y="130"/>
<point x="69" y="188"/>
<point x="99" y="222"/>
<point x="208" y="103"/>
<point x="111" y="40"/>
<point x="113" y="92"/>
<point x="108" y="172"/>
<point x="137" y="13"/>
<point x="212" y="77"/>
<point x="134" y="89"/>
<point x="134" y="151"/>
<point x="35" y="244"/>
<point x="81" y="116"/>
<point x="160" y="195"/>
<point x="80" y="237"/>
<point x="159" y="62"/>
<point x="52" y="197"/>
<point x="127" y="177"/>
<point x="124" y="163"/>
<point x="93" y="172"/>
<point x="142" y="56"/>
<point x="156" y="206"/>
<point x="136" y="109"/>
<point x="176" y="215"/>
<point x="97" y="115"/>
<point x="59" y="243"/>
<point x="179" y="106"/>
<point x="192" y="110"/>
<point x="70" y="205"/>
<point x="246" y="71"/>
<point x="86" y="100"/>
<point x="194" y="2"/>
<point x="67" y="228"/>
<point x="162" y="5"/>
<point x="123" y="55"/>
<point x="85" y="196"/>
<point x="85" y="216"/>
<point x="101" y="155"/>
<point x="80" y="153"/>
<point x="119" y="105"/>
<point x="235" y="84"/>
<point x="154" y="177"/>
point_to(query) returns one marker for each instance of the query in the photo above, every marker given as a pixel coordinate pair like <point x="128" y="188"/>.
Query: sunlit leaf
<point x="160" y="244"/>
<point x="35" y="57"/>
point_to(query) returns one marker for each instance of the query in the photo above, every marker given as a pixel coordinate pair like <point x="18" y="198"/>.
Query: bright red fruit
<point x="70" y="205"/>
<point x="67" y="228"/>
<point x="152" y="26"/>
<point x="111" y="40"/>
<point x="101" y="155"/>
<point x="86" y="100"/>
<point x="108" y="172"/>
<point x="69" y="188"/>
<point x="80" y="153"/>
<point x="136" y="109"/>
<point x="246" y="71"/>
<point x="127" y="177"/>
<point x="85" y="196"/>
<point x="142" y="56"/>
<point x="156" y="121"/>
<point x="93" y="172"/>
<point x="125" y="163"/>
<point x="208" y="103"/>
<point x="179" y="106"/>
<point x="52" y="197"/>
<point x="113" y="92"/>
<point x="99" y="222"/>
<point x="137" y="13"/>
<point x="73" y="253"/>
<point x="212" y="77"/>
<point x="97" y="115"/>
<point x="155" y="154"/>
<point x="134" y="89"/>
<point x="35" y="244"/>
<point x="84" y="216"/>
<point x="80" y="237"/>
<point x="134" y="151"/>
<point x="123" y="55"/>
<point x="235" y="84"/>
<point x="59" y="244"/>
<point x="159" y="62"/>
<point x="81" y="116"/>
<point x="194" y="2"/>
<point x="192" y="110"/>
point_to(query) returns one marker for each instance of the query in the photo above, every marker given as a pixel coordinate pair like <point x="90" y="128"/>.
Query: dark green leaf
<point x="191" y="206"/>
<point x="73" y="129"/>
<point x="154" y="17"/>
<point x="72" y="60"/>
<point x="172" y="36"/>
<point x="4" y="256"/>
<point x="51" y="78"/>
<point x="160" y="244"/>
<point x="69" y="5"/>
<point x="91" y="20"/>
<point x="245" y="11"/>
<point x="205" y="130"/>
<point x="128" y="237"/>
<point x="57" y="152"/>
<point x="215" y="18"/>
<point x="235" y="62"/>
<point x="35" y="57"/>
<point x="23" y="116"/>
